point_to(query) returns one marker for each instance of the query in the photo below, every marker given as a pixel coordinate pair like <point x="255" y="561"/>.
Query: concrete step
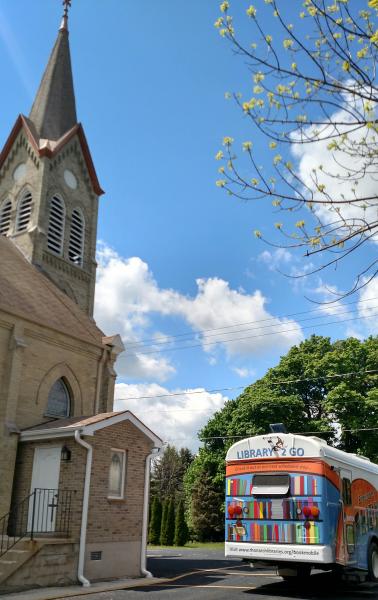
<point x="21" y="552"/>
<point x="16" y="557"/>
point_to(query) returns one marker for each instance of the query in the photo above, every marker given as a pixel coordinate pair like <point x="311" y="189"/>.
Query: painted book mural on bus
<point x="296" y="519"/>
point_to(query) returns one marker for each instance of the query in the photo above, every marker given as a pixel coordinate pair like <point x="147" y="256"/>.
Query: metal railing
<point x="43" y="512"/>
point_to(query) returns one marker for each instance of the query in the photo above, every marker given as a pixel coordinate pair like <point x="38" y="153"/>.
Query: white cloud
<point x="363" y="307"/>
<point x="217" y="306"/>
<point x="128" y="297"/>
<point x="137" y="365"/>
<point x="339" y="171"/>
<point x="330" y="305"/>
<point x="368" y="306"/>
<point x="176" y="419"/>
<point x="355" y="333"/>
<point x="275" y="260"/>
<point x="244" y="372"/>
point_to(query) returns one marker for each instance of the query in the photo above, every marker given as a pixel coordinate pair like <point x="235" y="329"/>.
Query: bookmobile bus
<point x="295" y="503"/>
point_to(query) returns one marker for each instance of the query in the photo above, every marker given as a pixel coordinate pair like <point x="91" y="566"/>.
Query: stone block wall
<point x="44" y="177"/>
<point x="53" y="565"/>
<point x="26" y="376"/>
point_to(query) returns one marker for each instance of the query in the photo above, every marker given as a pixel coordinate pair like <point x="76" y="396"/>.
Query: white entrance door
<point x="45" y="483"/>
<point x="348" y="515"/>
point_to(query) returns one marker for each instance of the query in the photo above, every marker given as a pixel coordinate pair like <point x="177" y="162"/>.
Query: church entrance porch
<point x="79" y="503"/>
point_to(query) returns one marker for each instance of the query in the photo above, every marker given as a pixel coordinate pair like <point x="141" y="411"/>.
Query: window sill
<point x="115" y="499"/>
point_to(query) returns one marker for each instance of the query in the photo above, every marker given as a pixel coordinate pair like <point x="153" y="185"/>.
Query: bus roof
<point x="288" y="445"/>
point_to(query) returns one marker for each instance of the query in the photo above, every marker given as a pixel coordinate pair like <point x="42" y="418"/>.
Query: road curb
<point x="75" y="591"/>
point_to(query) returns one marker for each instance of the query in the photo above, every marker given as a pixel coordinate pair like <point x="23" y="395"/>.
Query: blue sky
<point x="176" y="254"/>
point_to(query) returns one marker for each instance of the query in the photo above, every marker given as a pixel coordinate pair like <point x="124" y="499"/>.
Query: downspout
<point x="100" y="368"/>
<point x="84" y="515"/>
<point x="143" y="551"/>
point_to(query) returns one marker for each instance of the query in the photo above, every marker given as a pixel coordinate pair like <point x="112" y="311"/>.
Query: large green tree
<point x="310" y="99"/>
<point x="155" y="521"/>
<point x="168" y="473"/>
<point x="168" y="523"/>
<point x="205" y="514"/>
<point x="329" y="389"/>
<point x="181" y="528"/>
<point x="164" y="524"/>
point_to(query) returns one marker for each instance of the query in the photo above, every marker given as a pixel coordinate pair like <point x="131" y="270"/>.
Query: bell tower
<point x="48" y="184"/>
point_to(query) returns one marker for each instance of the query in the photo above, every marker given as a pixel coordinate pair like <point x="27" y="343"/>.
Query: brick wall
<point x="109" y="520"/>
<point x="117" y="520"/>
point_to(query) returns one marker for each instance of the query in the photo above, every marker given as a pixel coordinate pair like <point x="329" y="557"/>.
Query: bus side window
<point x="347" y="492"/>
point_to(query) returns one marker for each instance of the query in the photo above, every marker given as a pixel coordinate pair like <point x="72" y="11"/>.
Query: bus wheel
<point x="373" y="561"/>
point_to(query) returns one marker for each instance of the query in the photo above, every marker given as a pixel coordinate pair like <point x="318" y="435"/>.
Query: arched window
<point x="24" y="211"/>
<point x="117" y="473"/>
<point x="5" y="217"/>
<point x="59" y="401"/>
<point x="76" y="244"/>
<point x="55" y="233"/>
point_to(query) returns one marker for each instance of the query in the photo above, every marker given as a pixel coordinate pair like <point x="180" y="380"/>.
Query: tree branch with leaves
<point x="314" y="100"/>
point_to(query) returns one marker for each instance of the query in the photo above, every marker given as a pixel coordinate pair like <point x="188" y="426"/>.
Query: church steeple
<point x="54" y="110"/>
<point x="48" y="184"/>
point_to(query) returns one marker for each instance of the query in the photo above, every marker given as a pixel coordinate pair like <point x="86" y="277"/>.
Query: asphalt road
<point x="206" y="575"/>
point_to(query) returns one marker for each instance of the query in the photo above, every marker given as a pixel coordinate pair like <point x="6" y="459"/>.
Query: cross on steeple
<point x="67" y="6"/>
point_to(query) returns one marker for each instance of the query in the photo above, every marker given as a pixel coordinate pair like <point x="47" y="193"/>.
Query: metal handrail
<point x="13" y="525"/>
<point x="44" y="511"/>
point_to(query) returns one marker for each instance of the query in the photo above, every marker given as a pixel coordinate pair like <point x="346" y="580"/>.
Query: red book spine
<point x="276" y="534"/>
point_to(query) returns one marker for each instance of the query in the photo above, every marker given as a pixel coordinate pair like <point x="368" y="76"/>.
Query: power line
<point x="230" y="437"/>
<point x="190" y="333"/>
<point x="228" y="389"/>
<point x="233" y="437"/>
<point x="167" y="341"/>
<point x="256" y="336"/>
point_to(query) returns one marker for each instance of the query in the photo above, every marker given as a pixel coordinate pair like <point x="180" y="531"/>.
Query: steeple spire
<point x="54" y="110"/>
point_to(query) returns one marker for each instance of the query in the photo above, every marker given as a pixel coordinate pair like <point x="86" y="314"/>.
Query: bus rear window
<point x="272" y="484"/>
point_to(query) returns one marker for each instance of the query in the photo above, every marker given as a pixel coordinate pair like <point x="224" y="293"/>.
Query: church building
<point x="74" y="474"/>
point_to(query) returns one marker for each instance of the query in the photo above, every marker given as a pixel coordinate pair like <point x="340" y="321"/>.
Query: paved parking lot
<point x="206" y="575"/>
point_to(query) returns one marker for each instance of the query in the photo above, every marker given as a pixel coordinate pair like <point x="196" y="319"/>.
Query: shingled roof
<point x="60" y="428"/>
<point x="27" y="293"/>
<point x="54" y="110"/>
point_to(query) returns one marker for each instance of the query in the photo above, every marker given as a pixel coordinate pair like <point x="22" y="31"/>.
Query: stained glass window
<point x="117" y="473"/>
<point x="58" y="403"/>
